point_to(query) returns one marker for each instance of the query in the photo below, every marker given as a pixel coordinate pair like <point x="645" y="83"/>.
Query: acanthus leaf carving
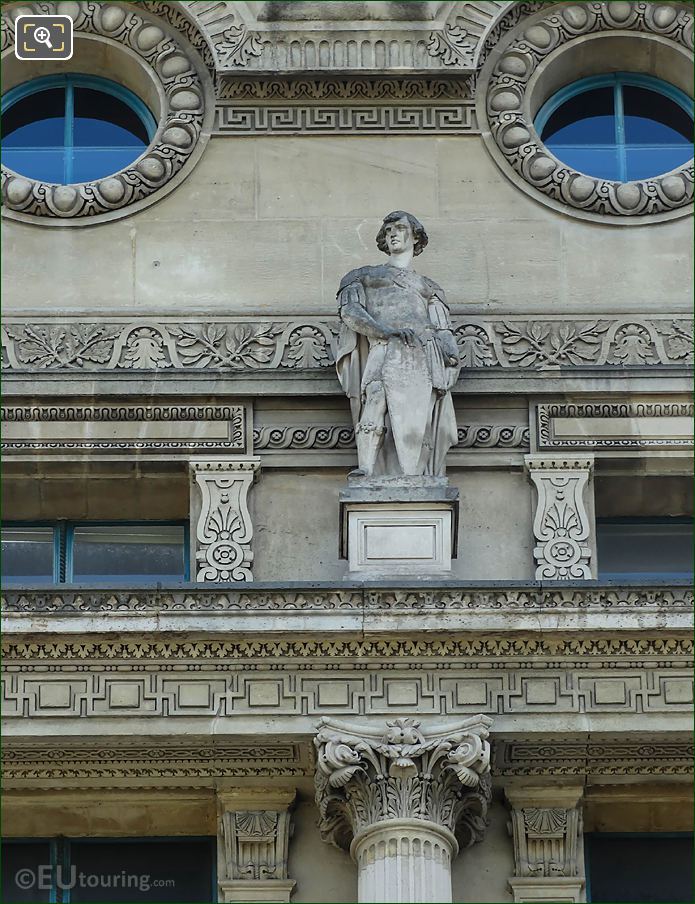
<point x="439" y="776"/>
<point x="451" y="44"/>
<point x="236" y="45"/>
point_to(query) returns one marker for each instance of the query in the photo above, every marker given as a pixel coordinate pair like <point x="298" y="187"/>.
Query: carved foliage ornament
<point x="177" y="144"/>
<point x="364" y="777"/>
<point x="309" y="342"/>
<point x="518" y="144"/>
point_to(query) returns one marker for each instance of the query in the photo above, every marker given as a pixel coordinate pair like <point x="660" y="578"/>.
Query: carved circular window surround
<point x="119" y="42"/>
<point x="556" y="47"/>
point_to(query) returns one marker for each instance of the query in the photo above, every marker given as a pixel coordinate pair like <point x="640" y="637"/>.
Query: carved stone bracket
<point x="546" y="826"/>
<point x="562" y="525"/>
<point x="253" y="843"/>
<point x="221" y="528"/>
<point x="402" y="801"/>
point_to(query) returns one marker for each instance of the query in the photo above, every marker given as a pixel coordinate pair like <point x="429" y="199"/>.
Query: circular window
<point x="622" y="127"/>
<point x="73" y="128"/>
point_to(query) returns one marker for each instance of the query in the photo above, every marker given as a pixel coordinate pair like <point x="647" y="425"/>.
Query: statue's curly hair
<point x="419" y="235"/>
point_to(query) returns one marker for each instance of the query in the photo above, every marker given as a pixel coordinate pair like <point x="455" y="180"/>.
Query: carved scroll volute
<point x="365" y="777"/>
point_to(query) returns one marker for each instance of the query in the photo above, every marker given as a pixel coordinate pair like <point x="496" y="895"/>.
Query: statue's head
<point x="398" y="227"/>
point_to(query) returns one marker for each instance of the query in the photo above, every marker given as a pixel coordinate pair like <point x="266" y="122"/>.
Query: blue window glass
<point x="644" y="548"/>
<point x="94" y="553"/>
<point x="73" y="128"/>
<point x="620" y="127"/>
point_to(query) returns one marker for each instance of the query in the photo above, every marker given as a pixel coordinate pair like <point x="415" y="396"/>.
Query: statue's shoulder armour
<point x="359" y="275"/>
<point x="434" y="290"/>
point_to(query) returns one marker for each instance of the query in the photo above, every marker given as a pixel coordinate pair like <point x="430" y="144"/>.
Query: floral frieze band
<point x="236" y="344"/>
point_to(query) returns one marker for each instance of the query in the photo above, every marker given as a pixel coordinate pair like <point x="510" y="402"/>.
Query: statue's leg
<point x="369" y="434"/>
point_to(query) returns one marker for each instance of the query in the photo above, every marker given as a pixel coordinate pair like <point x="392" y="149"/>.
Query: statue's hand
<point x="449" y="348"/>
<point x="405" y="335"/>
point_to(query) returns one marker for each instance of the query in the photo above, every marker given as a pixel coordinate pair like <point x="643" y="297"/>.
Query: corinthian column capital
<point x="403" y="800"/>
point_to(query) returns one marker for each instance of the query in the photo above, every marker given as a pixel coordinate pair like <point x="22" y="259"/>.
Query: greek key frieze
<point x="308" y="343"/>
<point x="361" y="120"/>
<point x="234" y="688"/>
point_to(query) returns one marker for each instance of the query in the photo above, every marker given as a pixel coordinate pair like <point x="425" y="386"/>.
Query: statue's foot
<point x="357" y="474"/>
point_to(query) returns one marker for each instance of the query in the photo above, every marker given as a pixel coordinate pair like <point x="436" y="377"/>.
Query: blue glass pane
<point x="600" y="162"/>
<point x="586" y="118"/>
<point x="97" y="133"/>
<point x="45" y="164"/>
<point x="35" y="120"/>
<point x="41" y="134"/>
<point x="102" y="120"/>
<point x="27" y="555"/>
<point x="94" y="163"/>
<point x="132" y="552"/>
<point x="645" y="162"/>
<point x="652" y="118"/>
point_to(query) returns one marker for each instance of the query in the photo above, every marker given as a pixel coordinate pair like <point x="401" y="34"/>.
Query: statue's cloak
<point x="352" y="358"/>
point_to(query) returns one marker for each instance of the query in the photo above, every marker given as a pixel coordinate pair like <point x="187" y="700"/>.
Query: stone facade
<point x="450" y="725"/>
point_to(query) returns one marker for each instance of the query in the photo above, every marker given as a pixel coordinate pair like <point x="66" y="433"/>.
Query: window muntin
<point x="94" y="552"/>
<point x="641" y="548"/>
<point x="623" y="127"/>
<point x="73" y="128"/>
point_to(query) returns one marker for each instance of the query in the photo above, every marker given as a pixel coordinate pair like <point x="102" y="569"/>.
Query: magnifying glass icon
<point x="43" y="36"/>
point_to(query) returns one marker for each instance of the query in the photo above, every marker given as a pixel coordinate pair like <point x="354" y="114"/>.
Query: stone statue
<point x="398" y="359"/>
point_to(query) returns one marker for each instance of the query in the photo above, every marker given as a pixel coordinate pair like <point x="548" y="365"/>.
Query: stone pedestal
<point x="406" y="526"/>
<point x="401" y="801"/>
<point x="404" y="860"/>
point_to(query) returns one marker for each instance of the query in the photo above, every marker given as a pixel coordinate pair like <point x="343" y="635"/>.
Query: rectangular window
<point x="29" y="555"/>
<point x="641" y="548"/>
<point x="70" y="552"/>
<point x="109" y="870"/>
<point x="657" y="867"/>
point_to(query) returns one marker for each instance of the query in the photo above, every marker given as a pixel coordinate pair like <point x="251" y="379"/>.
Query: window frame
<point x="63" y="538"/>
<point x="616" y="80"/>
<point x="587" y="849"/>
<point x="634" y="576"/>
<point x="60" y="851"/>
<point x="69" y="81"/>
